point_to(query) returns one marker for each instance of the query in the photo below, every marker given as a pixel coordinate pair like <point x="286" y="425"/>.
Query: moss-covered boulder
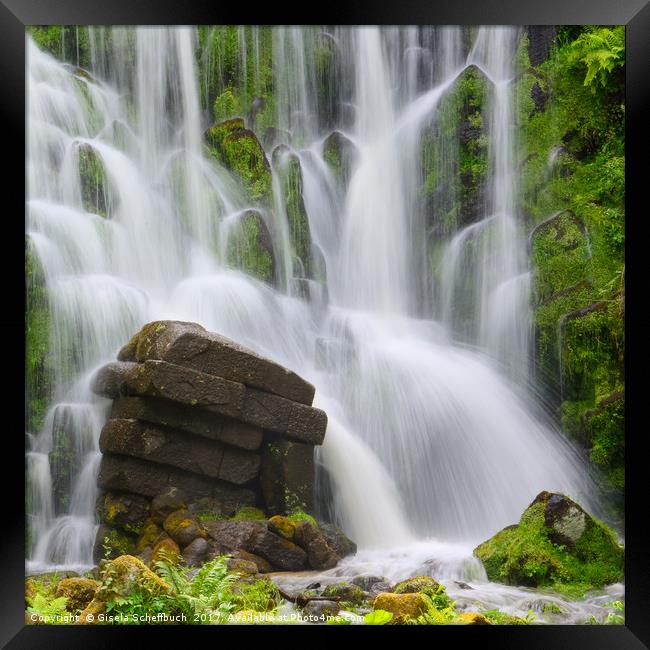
<point x="471" y="618"/>
<point x="241" y="152"/>
<point x="151" y="534"/>
<point x="93" y="181"/>
<point x="78" y="591"/>
<point x="283" y="526"/>
<point x="341" y="154"/>
<point x="346" y="592"/>
<point x="127" y="511"/>
<point x="166" y="550"/>
<point x="402" y="606"/>
<point x="418" y="585"/>
<point x="287" y="165"/>
<point x="183" y="528"/>
<point x="556" y="544"/>
<point x="123" y="577"/>
<point x="249" y="246"/>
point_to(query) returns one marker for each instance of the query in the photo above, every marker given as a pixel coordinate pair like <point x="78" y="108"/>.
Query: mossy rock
<point x="166" y="550"/>
<point x="78" y="591"/>
<point x="151" y="534"/>
<point x="403" y="607"/>
<point x="345" y="592"/>
<point x="471" y="618"/>
<point x="561" y="256"/>
<point x="419" y="585"/>
<point x="287" y="165"/>
<point x="183" y="528"/>
<point x="605" y="438"/>
<point x="241" y="567"/>
<point x="93" y="180"/>
<point x="250" y="248"/>
<point x="127" y="511"/>
<point x="556" y="544"/>
<point x="123" y="577"/>
<point x="241" y="152"/>
<point x="283" y="526"/>
<point x="341" y="154"/>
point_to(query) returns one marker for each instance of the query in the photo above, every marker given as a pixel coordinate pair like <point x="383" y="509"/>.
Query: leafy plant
<point x="617" y="617"/>
<point x="49" y="610"/>
<point x="601" y="50"/>
<point x="208" y="598"/>
<point x="378" y="617"/>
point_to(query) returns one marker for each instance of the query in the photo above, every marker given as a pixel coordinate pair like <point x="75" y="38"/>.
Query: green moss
<point x="454" y="158"/>
<point x="117" y="543"/>
<point x="299" y="515"/>
<point x="231" y="76"/>
<point x="525" y="555"/>
<point x="572" y="161"/>
<point x="259" y="596"/>
<point x="39" y="366"/>
<point x="250" y="248"/>
<point x="249" y="512"/>
<point x="605" y="428"/>
<point x="206" y="515"/>
<point x="68" y="43"/>
<point x="94" y="186"/>
<point x="299" y="232"/>
<point x="240" y="151"/>
<point x="497" y="617"/>
<point x="346" y="592"/>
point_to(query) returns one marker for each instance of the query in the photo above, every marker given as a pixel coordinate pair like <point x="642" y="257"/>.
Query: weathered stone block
<point x="172" y="382"/>
<point x="163" y="445"/>
<point x="287" y="475"/>
<point x="190" y="419"/>
<point x="149" y="479"/>
<point x="191" y="346"/>
<point x="274" y="413"/>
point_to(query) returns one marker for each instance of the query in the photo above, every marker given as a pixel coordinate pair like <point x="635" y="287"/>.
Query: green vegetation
<point x="573" y="166"/>
<point x="525" y="554"/>
<point x="39" y="363"/>
<point x="250" y="248"/>
<point x="240" y="151"/>
<point x="233" y="84"/>
<point x="249" y="512"/>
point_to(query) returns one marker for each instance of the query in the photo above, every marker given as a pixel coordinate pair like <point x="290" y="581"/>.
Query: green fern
<point x="601" y="50"/>
<point x="208" y="598"/>
<point x="51" y="611"/>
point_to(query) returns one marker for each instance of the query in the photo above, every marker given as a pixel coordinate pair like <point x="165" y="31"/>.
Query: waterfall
<point x="434" y="431"/>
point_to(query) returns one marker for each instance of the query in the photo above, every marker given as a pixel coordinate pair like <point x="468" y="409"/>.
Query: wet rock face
<point x="565" y="519"/>
<point x="540" y="41"/>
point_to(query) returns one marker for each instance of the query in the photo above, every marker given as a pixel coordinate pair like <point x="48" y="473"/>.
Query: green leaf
<point x="378" y="617"/>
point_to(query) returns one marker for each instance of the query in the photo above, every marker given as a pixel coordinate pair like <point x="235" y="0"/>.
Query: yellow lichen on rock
<point x="402" y="606"/>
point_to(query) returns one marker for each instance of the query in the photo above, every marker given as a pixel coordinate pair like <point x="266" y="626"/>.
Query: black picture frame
<point x="16" y="14"/>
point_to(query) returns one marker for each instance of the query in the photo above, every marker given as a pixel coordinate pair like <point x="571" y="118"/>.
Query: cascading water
<point x="429" y="445"/>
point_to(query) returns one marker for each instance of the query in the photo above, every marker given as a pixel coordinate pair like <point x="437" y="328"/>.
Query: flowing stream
<point x="435" y="438"/>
